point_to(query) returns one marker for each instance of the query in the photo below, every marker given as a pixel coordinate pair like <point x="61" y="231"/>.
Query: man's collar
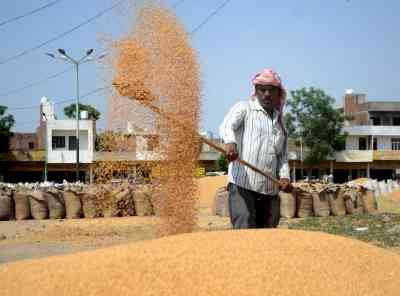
<point x="255" y="105"/>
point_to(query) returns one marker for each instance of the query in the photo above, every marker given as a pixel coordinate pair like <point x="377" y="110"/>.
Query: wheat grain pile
<point x="250" y="262"/>
<point x="156" y="66"/>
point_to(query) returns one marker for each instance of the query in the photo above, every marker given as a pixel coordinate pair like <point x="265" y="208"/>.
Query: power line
<point x="30" y="85"/>
<point x="33" y="84"/>
<point x="13" y="19"/>
<point x="209" y="17"/>
<point x="87" y="21"/>
<point x="194" y="31"/>
<point x="177" y="3"/>
<point x="97" y="90"/>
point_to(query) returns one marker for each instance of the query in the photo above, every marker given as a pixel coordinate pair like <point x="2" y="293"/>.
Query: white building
<point x="61" y="137"/>
<point x="61" y="141"/>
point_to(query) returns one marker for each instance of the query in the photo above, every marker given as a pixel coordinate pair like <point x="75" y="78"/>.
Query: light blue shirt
<point x="260" y="141"/>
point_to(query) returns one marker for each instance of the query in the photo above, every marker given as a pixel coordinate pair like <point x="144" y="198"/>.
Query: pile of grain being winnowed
<point x="251" y="262"/>
<point x="155" y="66"/>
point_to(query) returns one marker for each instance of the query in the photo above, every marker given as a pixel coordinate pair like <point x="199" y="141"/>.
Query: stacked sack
<point x="314" y="199"/>
<point x="74" y="200"/>
<point x="322" y="200"/>
<point x="6" y="203"/>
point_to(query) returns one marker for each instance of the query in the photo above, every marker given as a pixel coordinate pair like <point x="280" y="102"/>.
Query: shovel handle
<point x="222" y="150"/>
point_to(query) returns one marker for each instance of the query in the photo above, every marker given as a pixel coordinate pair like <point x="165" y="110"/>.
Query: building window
<point x="396" y="121"/>
<point x="58" y="142"/>
<point x="375" y="144"/>
<point x="395" y="143"/>
<point x="71" y="143"/>
<point x="362" y="144"/>
<point x="376" y="121"/>
<point x="31" y="145"/>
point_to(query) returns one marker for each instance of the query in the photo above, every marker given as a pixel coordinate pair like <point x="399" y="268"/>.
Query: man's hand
<point x="284" y="185"/>
<point x="231" y="151"/>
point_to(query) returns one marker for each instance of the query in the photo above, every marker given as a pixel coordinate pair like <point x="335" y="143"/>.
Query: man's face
<point x="268" y="96"/>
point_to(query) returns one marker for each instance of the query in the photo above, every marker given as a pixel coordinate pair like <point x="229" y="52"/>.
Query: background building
<point x="51" y="148"/>
<point x="372" y="146"/>
<point x="373" y="140"/>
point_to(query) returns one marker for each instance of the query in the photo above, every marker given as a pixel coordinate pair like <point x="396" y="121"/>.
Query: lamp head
<point x="89" y="52"/>
<point x="61" y="51"/>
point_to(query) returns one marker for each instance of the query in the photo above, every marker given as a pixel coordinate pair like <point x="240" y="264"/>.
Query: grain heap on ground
<point x="156" y="66"/>
<point x="251" y="262"/>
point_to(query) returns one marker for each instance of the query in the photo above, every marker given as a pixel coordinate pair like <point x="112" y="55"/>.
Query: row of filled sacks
<point x="335" y="201"/>
<point x="72" y="203"/>
<point x="330" y="200"/>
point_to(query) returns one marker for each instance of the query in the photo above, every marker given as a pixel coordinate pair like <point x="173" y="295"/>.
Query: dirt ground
<point x="40" y="238"/>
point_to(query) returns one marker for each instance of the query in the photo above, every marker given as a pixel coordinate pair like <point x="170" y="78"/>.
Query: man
<point x="254" y="131"/>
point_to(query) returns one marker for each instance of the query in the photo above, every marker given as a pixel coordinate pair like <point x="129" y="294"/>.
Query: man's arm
<point x="232" y="121"/>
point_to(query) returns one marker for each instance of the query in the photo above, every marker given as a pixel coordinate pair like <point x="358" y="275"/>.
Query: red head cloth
<point x="270" y="77"/>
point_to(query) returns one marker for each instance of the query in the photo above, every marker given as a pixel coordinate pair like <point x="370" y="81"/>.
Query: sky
<point x="333" y="45"/>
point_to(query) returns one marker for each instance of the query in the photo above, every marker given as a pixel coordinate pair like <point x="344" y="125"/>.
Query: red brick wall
<point x="20" y="141"/>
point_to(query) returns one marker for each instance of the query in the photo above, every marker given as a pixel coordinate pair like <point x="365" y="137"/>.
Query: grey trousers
<point x="249" y="209"/>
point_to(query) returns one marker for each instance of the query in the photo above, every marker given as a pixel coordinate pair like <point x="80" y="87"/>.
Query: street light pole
<point x="65" y="57"/>
<point x="77" y="121"/>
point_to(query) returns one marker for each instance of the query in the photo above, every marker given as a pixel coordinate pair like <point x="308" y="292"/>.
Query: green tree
<point x="315" y="120"/>
<point x="222" y="163"/>
<point x="70" y="111"/>
<point x="6" y="123"/>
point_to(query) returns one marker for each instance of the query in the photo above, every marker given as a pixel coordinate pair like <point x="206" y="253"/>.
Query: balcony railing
<point x="354" y="156"/>
<point x="386" y="155"/>
<point x="372" y="130"/>
<point x="367" y="155"/>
